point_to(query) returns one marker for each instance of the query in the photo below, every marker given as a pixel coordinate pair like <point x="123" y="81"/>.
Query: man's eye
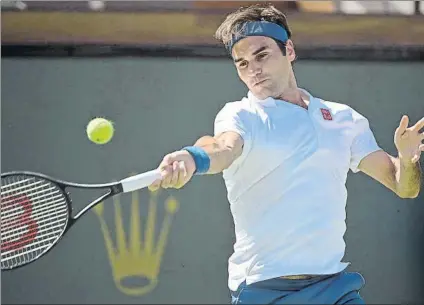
<point x="243" y="64"/>
<point x="262" y="55"/>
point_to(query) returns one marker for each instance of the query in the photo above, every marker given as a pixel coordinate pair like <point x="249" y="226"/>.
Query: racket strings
<point x="44" y="205"/>
<point x="34" y="213"/>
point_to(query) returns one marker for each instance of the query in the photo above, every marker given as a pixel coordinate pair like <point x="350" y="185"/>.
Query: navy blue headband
<point x="258" y="28"/>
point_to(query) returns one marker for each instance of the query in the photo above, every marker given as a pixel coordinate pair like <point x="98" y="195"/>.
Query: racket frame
<point x="114" y="189"/>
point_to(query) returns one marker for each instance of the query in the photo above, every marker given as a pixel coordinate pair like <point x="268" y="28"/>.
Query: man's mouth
<point x="260" y="82"/>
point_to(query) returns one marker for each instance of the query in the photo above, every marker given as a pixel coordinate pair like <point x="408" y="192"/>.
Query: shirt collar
<point x="268" y="102"/>
<point x="271" y="102"/>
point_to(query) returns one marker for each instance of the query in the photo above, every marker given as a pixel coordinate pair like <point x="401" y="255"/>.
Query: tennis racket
<point x="36" y="211"/>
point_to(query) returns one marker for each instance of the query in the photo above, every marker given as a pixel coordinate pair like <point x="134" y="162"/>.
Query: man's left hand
<point x="409" y="140"/>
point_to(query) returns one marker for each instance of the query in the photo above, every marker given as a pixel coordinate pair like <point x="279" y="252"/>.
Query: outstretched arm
<point x="401" y="174"/>
<point x="209" y="155"/>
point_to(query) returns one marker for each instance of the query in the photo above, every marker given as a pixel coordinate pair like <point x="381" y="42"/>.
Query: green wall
<point x="159" y="105"/>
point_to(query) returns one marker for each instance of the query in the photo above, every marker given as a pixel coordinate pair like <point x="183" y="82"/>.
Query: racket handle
<point x="140" y="181"/>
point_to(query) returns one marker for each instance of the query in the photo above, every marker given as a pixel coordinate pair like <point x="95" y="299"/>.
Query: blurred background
<point x="154" y="68"/>
<point x="360" y="29"/>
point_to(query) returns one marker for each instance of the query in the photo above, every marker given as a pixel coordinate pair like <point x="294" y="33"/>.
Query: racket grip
<point x="140" y="181"/>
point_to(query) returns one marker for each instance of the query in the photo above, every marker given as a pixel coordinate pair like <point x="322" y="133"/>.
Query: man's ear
<point x="290" y="51"/>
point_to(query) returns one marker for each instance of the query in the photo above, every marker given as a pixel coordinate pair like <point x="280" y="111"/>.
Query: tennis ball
<point x="100" y="130"/>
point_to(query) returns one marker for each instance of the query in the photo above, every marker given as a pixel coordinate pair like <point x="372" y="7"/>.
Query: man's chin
<point x="261" y="94"/>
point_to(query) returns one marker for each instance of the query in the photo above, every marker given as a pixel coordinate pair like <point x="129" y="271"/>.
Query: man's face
<point x="262" y="66"/>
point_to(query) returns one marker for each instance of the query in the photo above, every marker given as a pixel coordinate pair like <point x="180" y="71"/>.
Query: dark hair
<point x="256" y="12"/>
<point x="282" y="46"/>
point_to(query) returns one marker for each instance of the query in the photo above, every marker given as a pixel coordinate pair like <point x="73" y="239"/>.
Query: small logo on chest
<point x="326" y="114"/>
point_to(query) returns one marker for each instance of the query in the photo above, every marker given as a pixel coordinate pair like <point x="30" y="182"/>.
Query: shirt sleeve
<point x="363" y="142"/>
<point x="232" y="117"/>
<point x="229" y="119"/>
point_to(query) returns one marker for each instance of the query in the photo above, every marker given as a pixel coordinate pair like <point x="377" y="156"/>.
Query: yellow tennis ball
<point x="100" y="130"/>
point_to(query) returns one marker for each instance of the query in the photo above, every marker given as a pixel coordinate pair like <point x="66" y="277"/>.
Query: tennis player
<point x="285" y="155"/>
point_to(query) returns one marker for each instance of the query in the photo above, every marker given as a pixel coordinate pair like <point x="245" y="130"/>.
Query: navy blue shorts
<point x="340" y="288"/>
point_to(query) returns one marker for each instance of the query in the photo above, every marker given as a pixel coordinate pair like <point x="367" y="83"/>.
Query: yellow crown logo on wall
<point x="137" y="255"/>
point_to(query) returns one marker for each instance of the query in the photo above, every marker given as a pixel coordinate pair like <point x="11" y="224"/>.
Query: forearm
<point x="408" y="178"/>
<point x="221" y="152"/>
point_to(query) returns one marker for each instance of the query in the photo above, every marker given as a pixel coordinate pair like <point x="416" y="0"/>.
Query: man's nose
<point x="254" y="69"/>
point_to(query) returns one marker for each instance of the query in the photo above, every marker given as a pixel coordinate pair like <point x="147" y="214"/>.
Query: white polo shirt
<point x="287" y="190"/>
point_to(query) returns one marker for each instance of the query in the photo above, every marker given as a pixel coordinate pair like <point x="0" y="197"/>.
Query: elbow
<point x="409" y="194"/>
<point x="414" y="195"/>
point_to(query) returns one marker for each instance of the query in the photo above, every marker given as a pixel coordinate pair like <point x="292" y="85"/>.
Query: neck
<point x="292" y="94"/>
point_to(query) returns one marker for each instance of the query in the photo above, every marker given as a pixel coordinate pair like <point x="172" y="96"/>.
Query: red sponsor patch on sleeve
<point x="326" y="114"/>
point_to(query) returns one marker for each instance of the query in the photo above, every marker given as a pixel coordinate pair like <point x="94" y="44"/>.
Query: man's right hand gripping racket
<point x="36" y="211"/>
